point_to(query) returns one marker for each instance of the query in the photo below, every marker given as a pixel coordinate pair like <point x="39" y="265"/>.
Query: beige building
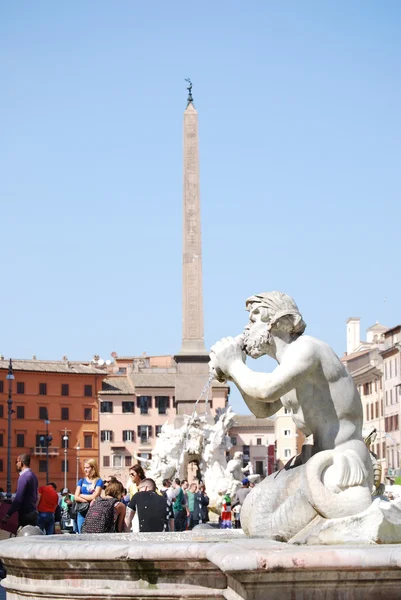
<point x="135" y="401"/>
<point x="392" y="397"/>
<point x="375" y="367"/>
<point x="255" y="439"/>
<point x="286" y="437"/>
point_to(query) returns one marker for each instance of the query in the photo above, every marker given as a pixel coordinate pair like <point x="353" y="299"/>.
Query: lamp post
<point x="48" y="440"/>
<point x="78" y="448"/>
<point x="65" y="440"/>
<point x="10" y="378"/>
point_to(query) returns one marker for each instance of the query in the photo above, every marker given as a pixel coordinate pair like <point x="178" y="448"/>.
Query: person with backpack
<point x="106" y="514"/>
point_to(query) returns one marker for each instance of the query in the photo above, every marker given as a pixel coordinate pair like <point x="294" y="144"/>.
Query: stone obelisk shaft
<point x="192" y="360"/>
<point x="192" y="305"/>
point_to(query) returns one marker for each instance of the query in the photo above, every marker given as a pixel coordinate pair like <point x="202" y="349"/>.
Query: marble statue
<point x="335" y="478"/>
<point x="204" y="439"/>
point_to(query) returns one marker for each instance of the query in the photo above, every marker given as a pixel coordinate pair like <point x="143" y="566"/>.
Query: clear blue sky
<point x="300" y="148"/>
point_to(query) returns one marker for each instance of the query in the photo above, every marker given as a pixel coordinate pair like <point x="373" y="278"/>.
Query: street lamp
<point x="78" y="448"/>
<point x="65" y="440"/>
<point x="10" y="378"/>
<point x="48" y="441"/>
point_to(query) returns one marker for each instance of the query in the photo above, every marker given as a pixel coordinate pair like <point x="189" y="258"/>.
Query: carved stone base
<point x="208" y="564"/>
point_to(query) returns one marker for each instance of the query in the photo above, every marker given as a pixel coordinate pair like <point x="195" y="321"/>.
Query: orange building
<point x="63" y="392"/>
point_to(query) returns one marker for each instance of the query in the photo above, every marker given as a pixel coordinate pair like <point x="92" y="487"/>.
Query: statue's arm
<point x="260" y="388"/>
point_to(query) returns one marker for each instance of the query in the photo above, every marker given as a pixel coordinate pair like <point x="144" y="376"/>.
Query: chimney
<point x="353" y="334"/>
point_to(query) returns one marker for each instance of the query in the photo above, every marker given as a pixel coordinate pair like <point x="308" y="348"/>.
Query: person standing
<point x="151" y="508"/>
<point x="168" y="493"/>
<point x="200" y="513"/>
<point x="180" y="513"/>
<point x="47" y="504"/>
<point x="88" y="488"/>
<point x="27" y="494"/>
<point x="68" y="511"/>
<point x="191" y="494"/>
<point x="238" y="501"/>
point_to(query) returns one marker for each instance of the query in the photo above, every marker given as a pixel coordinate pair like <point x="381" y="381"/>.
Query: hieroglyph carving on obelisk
<point x="192" y="315"/>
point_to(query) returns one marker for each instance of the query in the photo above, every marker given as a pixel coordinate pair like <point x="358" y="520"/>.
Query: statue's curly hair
<point x="280" y="307"/>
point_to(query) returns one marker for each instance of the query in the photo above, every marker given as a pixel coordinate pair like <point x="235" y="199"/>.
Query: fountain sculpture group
<point x="312" y="529"/>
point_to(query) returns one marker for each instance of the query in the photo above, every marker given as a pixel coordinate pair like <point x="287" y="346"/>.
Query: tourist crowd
<point x="98" y="506"/>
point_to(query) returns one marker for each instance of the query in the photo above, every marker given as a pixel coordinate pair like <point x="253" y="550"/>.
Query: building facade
<point x="134" y="402"/>
<point x="255" y="439"/>
<point x="392" y="399"/>
<point x="63" y="393"/>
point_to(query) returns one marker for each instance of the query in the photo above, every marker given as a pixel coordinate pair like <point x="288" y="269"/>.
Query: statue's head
<point x="238" y="455"/>
<point x="269" y="313"/>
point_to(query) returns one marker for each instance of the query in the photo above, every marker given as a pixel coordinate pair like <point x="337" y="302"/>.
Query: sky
<point x="300" y="153"/>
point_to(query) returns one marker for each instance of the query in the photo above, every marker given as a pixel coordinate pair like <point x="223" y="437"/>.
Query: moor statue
<point x="333" y="480"/>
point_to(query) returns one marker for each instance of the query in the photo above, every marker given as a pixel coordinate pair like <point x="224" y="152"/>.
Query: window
<point x="64" y="443"/>
<point x="106" y="461"/>
<point x="117" y="461"/>
<point x="64" y="466"/>
<point x="391" y="396"/>
<point x="1" y="440"/>
<point x="87" y="414"/>
<point x="377" y="410"/>
<point x="386" y="398"/>
<point x="20" y="440"/>
<point x="106" y="407"/>
<point x="88" y="390"/>
<point x="43" y="416"/>
<point x="1" y="464"/>
<point x="233" y="440"/>
<point x="287" y="411"/>
<point x="158" y="429"/>
<point x="371" y="411"/>
<point x="128" y="407"/>
<point x="144" y="432"/>
<point x="128" y="435"/>
<point x="65" y="413"/>
<point x="20" y="412"/>
<point x="287" y="432"/>
<point x="65" y="389"/>
<point x="162" y="404"/>
<point x="106" y="436"/>
<point x="144" y="403"/>
<point x="367" y="412"/>
<point x="42" y="466"/>
<point x="43" y="389"/>
<point x="1" y="411"/>
<point x="1" y="387"/>
<point x="287" y="453"/>
<point x="378" y="451"/>
<point x="20" y="387"/>
<point x="122" y="370"/>
<point x="128" y="461"/>
<point x="88" y="440"/>
<point x="40" y="439"/>
<point x="259" y="467"/>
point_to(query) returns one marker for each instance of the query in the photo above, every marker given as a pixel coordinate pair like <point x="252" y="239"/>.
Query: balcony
<point x="144" y="441"/>
<point x="41" y="451"/>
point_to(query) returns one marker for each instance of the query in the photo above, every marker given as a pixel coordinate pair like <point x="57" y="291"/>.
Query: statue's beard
<point x="257" y="343"/>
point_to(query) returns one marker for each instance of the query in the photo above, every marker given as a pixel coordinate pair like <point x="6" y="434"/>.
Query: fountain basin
<point x="196" y="565"/>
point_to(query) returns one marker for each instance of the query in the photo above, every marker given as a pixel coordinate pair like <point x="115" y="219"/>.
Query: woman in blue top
<point x="88" y="488"/>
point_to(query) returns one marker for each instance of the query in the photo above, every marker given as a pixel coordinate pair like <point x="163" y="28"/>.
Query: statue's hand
<point x="224" y="354"/>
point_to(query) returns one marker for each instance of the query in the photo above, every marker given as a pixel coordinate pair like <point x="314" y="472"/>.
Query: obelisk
<point x="192" y="367"/>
